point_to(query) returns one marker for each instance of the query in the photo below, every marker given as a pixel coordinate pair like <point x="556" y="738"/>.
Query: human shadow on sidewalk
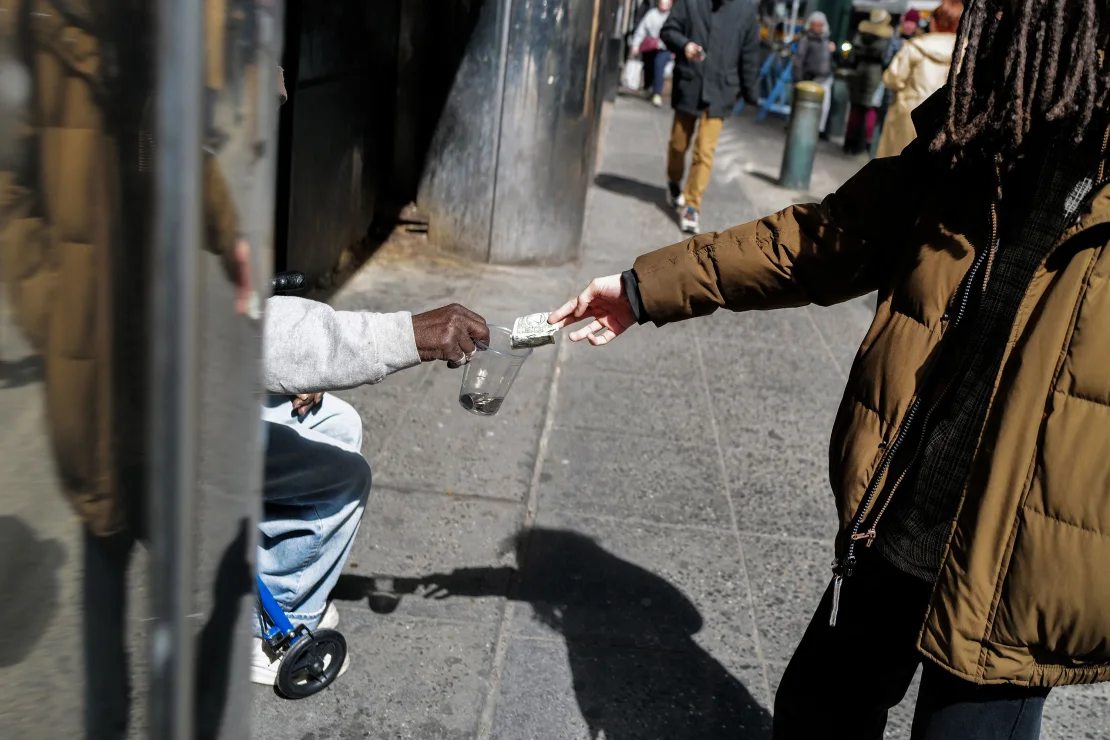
<point x="22" y="372"/>
<point x="655" y="195"/>
<point x="30" y="586"/>
<point x="636" y="670"/>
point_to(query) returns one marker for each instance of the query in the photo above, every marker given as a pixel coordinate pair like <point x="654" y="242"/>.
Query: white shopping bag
<point x="633" y="75"/>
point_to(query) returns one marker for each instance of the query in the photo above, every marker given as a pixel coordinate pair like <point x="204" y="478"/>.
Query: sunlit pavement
<point x="673" y="486"/>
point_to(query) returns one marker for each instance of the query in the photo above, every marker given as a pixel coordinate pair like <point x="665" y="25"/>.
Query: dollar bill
<point x="532" y="331"/>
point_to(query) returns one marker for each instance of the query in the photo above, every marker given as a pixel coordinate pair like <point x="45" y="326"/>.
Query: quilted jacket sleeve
<point x="812" y="253"/>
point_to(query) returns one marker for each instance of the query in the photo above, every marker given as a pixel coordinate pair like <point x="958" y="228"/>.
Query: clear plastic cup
<point x="489" y="375"/>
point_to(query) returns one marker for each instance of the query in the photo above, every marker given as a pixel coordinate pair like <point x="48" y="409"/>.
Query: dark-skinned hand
<point x="448" y="334"/>
<point x="303" y="403"/>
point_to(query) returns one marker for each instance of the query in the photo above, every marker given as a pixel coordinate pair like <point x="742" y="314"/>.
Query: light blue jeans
<point x="315" y="487"/>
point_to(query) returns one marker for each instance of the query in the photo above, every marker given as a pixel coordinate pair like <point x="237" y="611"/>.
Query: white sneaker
<point x="657" y="101"/>
<point x="330" y="620"/>
<point x="264" y="664"/>
<point x="689" y="220"/>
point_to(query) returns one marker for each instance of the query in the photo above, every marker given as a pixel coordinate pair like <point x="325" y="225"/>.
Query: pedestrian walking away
<point x="716" y="44"/>
<point x="647" y="45"/>
<point x="916" y="72"/>
<point x="967" y="458"/>
<point x="813" y="61"/>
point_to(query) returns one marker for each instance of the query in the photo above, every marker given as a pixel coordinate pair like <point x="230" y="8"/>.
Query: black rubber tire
<point x="305" y="669"/>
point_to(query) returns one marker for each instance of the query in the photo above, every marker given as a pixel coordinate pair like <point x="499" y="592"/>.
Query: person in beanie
<point x="717" y="60"/>
<point x="813" y="60"/>
<point x="968" y="459"/>
<point x="647" y="45"/>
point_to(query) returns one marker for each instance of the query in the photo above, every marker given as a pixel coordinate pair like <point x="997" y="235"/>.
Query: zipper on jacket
<point x="843" y="568"/>
<point x="993" y="247"/>
<point x="870" y="534"/>
<point x="1102" y="161"/>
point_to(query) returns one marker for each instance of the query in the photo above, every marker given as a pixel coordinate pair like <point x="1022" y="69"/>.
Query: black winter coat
<point x="728" y="31"/>
<point x="869" y="56"/>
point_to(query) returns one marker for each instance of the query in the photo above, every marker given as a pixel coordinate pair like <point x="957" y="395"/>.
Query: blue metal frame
<point x="280" y="624"/>
<point x="774" y="77"/>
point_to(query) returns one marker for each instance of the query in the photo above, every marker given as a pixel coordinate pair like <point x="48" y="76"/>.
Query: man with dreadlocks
<point x="970" y="458"/>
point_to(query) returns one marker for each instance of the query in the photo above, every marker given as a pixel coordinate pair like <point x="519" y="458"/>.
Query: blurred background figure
<point x="648" y="46"/>
<point x="870" y="48"/>
<point x="915" y="73"/>
<point x="814" y="60"/>
<point x="908" y="27"/>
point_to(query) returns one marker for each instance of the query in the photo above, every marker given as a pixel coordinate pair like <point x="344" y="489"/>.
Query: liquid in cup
<point x="489" y="375"/>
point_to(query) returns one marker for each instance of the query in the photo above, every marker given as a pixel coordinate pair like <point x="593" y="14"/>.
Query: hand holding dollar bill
<point x="603" y="302"/>
<point x="532" y="331"/>
<point x="604" y="305"/>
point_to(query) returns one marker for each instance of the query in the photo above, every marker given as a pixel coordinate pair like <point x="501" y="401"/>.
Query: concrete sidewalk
<point x="673" y="487"/>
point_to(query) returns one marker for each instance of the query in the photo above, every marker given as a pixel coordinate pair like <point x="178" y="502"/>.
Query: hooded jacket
<point x="916" y="72"/>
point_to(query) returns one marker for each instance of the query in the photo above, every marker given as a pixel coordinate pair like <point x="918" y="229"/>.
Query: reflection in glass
<point x="87" y="310"/>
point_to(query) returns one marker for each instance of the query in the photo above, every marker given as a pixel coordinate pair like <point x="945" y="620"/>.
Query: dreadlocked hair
<point x="1018" y="62"/>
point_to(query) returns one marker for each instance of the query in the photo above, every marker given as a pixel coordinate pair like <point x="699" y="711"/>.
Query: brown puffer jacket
<point x="64" y="267"/>
<point x="1023" y="595"/>
<point x="54" y="257"/>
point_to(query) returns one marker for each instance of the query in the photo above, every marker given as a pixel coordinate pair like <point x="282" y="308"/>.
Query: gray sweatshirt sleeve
<point x="308" y="346"/>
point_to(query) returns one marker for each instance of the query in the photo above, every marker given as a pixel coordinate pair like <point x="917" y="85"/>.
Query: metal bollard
<point x="801" y="139"/>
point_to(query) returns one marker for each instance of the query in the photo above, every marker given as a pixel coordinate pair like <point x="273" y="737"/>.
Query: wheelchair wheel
<point x="311" y="664"/>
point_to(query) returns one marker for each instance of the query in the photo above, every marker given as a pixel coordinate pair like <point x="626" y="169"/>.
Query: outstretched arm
<point x="815" y="253"/>
<point x="309" y="347"/>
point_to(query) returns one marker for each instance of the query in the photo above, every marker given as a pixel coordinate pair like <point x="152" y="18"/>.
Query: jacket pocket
<point x="1056" y="596"/>
<point x="1073" y="468"/>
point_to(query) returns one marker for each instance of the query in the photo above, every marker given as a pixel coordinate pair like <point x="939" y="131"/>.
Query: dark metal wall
<point x="336" y="129"/>
<point x="368" y="83"/>
<point x="138" y="207"/>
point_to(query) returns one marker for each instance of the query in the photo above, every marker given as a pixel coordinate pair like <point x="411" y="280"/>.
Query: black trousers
<point x="842" y="680"/>
<point x="107" y="675"/>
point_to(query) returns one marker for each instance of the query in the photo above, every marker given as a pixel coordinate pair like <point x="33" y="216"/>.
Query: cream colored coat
<point x="917" y="71"/>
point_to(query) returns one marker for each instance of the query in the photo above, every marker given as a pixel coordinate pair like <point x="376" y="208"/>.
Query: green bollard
<point x="801" y="138"/>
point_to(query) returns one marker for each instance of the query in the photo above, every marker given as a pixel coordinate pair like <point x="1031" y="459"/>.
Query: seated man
<point x="316" y="481"/>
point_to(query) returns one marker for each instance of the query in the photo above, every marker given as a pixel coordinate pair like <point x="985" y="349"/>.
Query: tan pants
<point x="682" y="132"/>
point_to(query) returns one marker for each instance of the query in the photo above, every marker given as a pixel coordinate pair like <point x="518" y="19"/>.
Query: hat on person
<point x="912" y="16"/>
<point x="879" y="16"/>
